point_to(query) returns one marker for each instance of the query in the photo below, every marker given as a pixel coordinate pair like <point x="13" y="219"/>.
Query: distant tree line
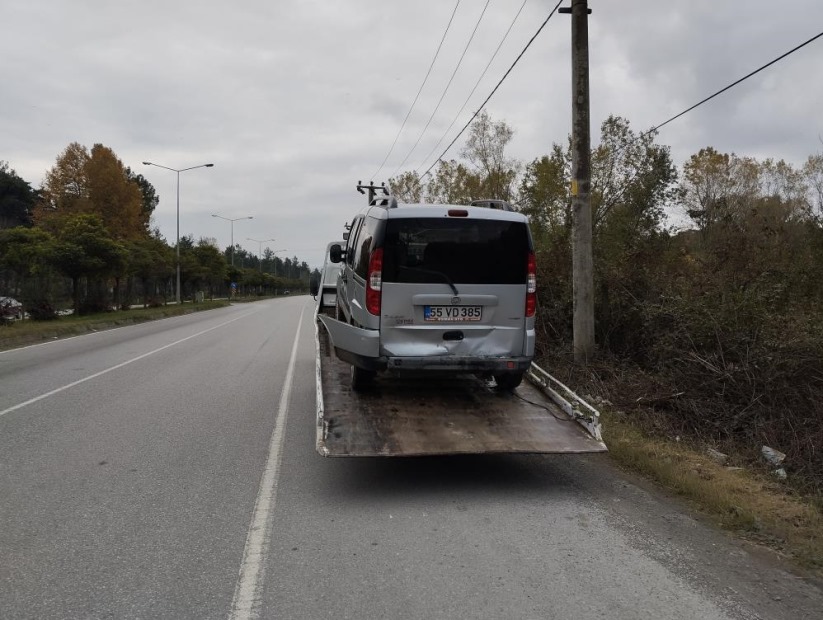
<point x="84" y="240"/>
<point x="713" y="326"/>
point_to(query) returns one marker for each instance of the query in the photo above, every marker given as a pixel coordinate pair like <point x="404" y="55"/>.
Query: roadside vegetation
<point x="708" y="306"/>
<point x="84" y="241"/>
<point x="738" y="495"/>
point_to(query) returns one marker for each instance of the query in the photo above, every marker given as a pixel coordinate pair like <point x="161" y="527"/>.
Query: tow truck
<point x="403" y="414"/>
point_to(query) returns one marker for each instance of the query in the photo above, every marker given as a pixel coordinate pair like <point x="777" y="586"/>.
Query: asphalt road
<point x="168" y="470"/>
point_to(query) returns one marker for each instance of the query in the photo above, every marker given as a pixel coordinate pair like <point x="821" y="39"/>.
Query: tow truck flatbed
<point x="437" y="415"/>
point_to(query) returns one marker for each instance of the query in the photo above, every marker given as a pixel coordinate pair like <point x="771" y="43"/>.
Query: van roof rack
<point x="390" y="202"/>
<point x="492" y="203"/>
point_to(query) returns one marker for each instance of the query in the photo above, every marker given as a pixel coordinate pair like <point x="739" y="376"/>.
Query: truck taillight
<point x="374" y="282"/>
<point x="531" y="285"/>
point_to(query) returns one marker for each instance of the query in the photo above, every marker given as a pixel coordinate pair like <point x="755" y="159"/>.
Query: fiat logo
<point x="455" y="300"/>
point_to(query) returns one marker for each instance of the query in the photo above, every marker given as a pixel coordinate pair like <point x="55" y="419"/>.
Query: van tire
<point x="361" y="379"/>
<point x="508" y="382"/>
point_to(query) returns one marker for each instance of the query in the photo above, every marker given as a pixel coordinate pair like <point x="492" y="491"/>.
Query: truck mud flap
<point x="430" y="415"/>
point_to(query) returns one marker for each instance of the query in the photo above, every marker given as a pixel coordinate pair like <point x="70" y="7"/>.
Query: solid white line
<point x="247" y="593"/>
<point x="57" y="340"/>
<point x="108" y="370"/>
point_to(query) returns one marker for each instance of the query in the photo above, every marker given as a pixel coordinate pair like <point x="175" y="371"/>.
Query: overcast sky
<point x="294" y="101"/>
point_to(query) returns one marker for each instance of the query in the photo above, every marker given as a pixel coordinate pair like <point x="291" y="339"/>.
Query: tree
<point x="83" y="248"/>
<point x="813" y="171"/>
<point x="149" y="260"/>
<point x="24" y="265"/>
<point x="544" y="193"/>
<point x="150" y="197"/>
<point x="17" y="198"/>
<point x="632" y="177"/>
<point x="453" y="183"/>
<point x="212" y="267"/>
<point x="485" y="151"/>
<point x="93" y="182"/>
<point x="407" y="187"/>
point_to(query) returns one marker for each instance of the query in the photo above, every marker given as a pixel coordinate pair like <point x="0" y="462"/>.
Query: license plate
<point x="437" y="314"/>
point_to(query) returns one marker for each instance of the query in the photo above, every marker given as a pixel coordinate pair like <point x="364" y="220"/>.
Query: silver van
<point x="442" y="288"/>
<point x="325" y="289"/>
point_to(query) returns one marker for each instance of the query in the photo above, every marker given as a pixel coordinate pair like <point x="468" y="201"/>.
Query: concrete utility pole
<point x="582" y="264"/>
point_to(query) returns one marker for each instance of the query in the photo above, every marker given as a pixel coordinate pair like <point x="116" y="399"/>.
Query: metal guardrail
<point x="571" y="404"/>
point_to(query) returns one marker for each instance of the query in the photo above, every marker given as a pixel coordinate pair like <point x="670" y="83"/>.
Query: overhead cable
<point x="733" y="84"/>
<point x="419" y="90"/>
<point x="699" y="103"/>
<point x="516" y="60"/>
<point x="476" y="84"/>
<point x="446" y="90"/>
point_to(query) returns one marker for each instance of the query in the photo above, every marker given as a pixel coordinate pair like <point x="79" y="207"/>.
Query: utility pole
<point x="582" y="263"/>
<point x="372" y="189"/>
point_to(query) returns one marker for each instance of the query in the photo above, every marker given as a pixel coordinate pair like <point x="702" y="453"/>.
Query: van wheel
<point x="361" y="379"/>
<point x="508" y="381"/>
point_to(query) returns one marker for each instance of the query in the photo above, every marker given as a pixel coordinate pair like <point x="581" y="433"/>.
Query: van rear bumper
<point x="361" y="347"/>
<point x="461" y="364"/>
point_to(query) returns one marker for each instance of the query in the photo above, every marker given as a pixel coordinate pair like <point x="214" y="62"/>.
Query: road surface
<point x="168" y="470"/>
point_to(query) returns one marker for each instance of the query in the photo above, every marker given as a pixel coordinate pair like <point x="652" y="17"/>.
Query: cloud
<point x="294" y="101"/>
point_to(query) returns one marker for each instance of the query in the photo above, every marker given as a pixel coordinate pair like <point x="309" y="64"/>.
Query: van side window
<point x="362" y="251"/>
<point x="351" y="244"/>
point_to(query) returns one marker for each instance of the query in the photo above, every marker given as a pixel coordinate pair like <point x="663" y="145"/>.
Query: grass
<point x="21" y="333"/>
<point x="745" y="501"/>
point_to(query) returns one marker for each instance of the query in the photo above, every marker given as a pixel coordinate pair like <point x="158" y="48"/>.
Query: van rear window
<point x="465" y="251"/>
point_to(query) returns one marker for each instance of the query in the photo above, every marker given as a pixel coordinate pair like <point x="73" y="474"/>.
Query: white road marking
<point x="57" y="340"/>
<point x="108" y="370"/>
<point x="247" y="593"/>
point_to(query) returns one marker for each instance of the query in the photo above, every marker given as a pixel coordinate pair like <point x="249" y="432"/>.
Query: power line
<point x="699" y="103"/>
<point x="516" y="60"/>
<point x="733" y="84"/>
<point x="419" y="90"/>
<point x="446" y="90"/>
<point x="476" y="84"/>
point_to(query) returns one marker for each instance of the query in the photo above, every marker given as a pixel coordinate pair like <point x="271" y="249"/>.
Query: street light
<point x="232" y="220"/>
<point x="178" y="171"/>
<point x="274" y="261"/>
<point x="259" y="250"/>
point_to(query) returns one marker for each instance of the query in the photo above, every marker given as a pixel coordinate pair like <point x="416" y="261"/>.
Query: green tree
<point x="485" y="150"/>
<point x="150" y="198"/>
<point x="150" y="261"/>
<point x="84" y="250"/>
<point x="211" y="266"/>
<point x="544" y="193"/>
<point x="453" y="183"/>
<point x="24" y="267"/>
<point x="407" y="187"/>
<point x="17" y="199"/>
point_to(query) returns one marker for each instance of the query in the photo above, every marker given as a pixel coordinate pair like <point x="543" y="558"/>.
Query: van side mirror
<point x="336" y="253"/>
<point x="345" y="236"/>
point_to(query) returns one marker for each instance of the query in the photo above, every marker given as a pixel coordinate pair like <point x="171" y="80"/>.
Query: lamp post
<point x="178" y="171"/>
<point x="275" y="262"/>
<point x="259" y="250"/>
<point x="232" y="220"/>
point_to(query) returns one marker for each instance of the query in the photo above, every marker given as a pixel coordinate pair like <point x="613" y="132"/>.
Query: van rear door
<point x="455" y="287"/>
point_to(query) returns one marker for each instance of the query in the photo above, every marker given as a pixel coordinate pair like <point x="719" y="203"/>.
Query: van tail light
<point x="531" y="285"/>
<point x="374" y="282"/>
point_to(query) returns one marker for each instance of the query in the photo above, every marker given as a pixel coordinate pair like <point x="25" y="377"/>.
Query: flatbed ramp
<point x="429" y="415"/>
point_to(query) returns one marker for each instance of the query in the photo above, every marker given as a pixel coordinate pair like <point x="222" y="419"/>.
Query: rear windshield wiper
<point x="432" y="271"/>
